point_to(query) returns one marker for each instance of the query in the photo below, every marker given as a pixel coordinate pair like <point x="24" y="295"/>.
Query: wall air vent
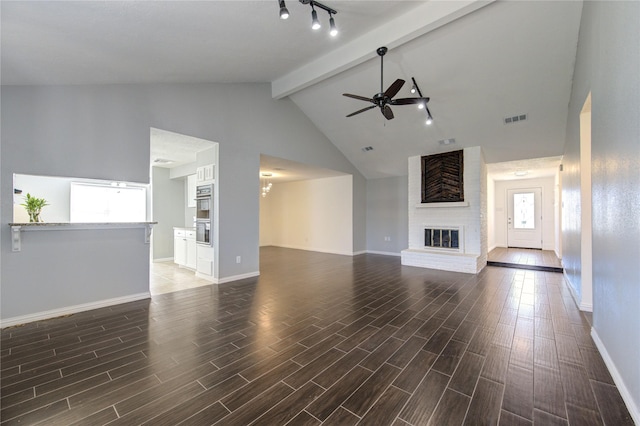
<point x="367" y="149"/>
<point x="515" y="119"/>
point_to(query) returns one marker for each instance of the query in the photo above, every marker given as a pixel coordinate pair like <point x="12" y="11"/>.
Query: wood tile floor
<point x="531" y="257"/>
<point x="319" y="339"/>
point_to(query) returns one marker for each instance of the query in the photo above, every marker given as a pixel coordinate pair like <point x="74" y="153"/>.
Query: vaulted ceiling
<point x="478" y="61"/>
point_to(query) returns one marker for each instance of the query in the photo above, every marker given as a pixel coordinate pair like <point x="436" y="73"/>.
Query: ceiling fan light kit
<point x="384" y="99"/>
<point x="315" y="22"/>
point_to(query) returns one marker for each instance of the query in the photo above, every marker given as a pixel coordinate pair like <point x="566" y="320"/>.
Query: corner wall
<point x="167" y="199"/>
<point x="607" y="64"/>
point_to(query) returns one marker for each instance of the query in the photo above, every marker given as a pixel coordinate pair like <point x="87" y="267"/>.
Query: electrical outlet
<point x="238" y="259"/>
<point x="387" y="238"/>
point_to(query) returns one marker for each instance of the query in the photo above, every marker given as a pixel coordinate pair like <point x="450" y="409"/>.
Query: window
<point x="524" y="210"/>
<point x="118" y="202"/>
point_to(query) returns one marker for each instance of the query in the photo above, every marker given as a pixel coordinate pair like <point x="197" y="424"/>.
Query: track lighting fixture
<point x="284" y="12"/>
<point x="414" y="89"/>
<point x="315" y="22"/>
<point x="333" y="31"/>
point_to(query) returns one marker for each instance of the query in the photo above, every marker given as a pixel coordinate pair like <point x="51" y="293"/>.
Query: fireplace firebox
<point x="447" y="238"/>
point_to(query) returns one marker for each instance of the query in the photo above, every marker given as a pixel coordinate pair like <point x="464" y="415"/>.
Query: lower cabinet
<point x="205" y="262"/>
<point x="184" y="248"/>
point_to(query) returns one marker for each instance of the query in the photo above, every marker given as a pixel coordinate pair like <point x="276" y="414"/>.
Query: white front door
<point x="524" y="221"/>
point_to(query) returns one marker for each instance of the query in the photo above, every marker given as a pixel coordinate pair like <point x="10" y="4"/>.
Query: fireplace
<point x="448" y="238"/>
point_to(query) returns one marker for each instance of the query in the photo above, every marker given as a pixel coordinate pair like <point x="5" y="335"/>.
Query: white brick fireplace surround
<point x="469" y="217"/>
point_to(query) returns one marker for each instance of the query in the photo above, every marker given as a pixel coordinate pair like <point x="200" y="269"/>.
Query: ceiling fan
<point x="383" y="100"/>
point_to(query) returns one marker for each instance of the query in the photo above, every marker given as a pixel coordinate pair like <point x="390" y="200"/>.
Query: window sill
<point x="16" y="228"/>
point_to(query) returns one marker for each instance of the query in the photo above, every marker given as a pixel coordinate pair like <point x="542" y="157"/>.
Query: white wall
<point x="607" y="64"/>
<point x="491" y="214"/>
<point x="548" y="209"/>
<point x="312" y="215"/>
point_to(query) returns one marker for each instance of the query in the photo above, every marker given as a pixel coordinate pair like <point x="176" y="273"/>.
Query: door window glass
<point x="524" y="210"/>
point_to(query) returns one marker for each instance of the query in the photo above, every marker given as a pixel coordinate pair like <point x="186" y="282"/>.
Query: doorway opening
<point x="524" y="218"/>
<point x="178" y="163"/>
<point x="306" y="208"/>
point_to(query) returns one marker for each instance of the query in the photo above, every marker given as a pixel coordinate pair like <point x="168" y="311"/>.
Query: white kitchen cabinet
<point x="184" y="248"/>
<point x="205" y="174"/>
<point x="191" y="250"/>
<point x="179" y="246"/>
<point x="191" y="190"/>
<point x="204" y="265"/>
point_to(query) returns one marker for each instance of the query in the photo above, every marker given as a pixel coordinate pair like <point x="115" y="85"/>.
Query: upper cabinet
<point x="205" y="174"/>
<point x="191" y="190"/>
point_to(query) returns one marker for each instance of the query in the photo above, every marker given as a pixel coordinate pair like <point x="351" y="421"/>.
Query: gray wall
<point x="168" y="210"/>
<point x="608" y="65"/>
<point x="103" y="132"/>
<point x="387" y="214"/>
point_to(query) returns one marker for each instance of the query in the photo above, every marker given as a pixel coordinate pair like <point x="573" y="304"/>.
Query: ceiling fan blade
<point x="394" y="88"/>
<point x="409" y="101"/>
<point x="386" y="111"/>
<point x="361" y="110"/>
<point x="361" y="98"/>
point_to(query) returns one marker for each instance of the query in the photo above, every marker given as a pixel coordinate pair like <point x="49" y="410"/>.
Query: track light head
<point x="421" y="105"/>
<point x="429" y="120"/>
<point x="284" y="12"/>
<point x="315" y="23"/>
<point x="413" y="89"/>
<point x="333" y="31"/>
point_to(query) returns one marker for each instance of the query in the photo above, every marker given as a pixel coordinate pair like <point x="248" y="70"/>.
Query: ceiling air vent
<point x="162" y="161"/>
<point x="447" y="141"/>
<point x="515" y="119"/>
<point x="367" y="149"/>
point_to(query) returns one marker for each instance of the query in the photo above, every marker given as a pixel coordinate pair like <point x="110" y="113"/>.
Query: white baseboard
<point x="163" y="259"/>
<point x="236" y="277"/>
<point x="384" y="253"/>
<point x="587" y="307"/>
<point x="617" y="378"/>
<point x="68" y="310"/>
<point x="490" y="249"/>
<point x="358" y="253"/>
<point x="319" y="250"/>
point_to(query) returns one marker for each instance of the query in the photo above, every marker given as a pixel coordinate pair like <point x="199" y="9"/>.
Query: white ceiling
<point x="176" y="148"/>
<point x="478" y="62"/>
<point x="282" y="170"/>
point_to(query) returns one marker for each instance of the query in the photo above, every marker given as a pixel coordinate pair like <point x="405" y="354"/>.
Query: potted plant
<point x="34" y="206"/>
